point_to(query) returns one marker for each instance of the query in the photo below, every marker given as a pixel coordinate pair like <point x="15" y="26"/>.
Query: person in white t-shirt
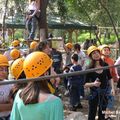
<point x="5" y="102"/>
<point x="32" y="17"/>
<point x="81" y="54"/>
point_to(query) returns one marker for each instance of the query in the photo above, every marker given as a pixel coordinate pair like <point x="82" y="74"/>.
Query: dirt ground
<point x="115" y="113"/>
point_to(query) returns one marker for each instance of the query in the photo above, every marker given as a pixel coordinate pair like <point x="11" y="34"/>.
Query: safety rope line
<point x="55" y="76"/>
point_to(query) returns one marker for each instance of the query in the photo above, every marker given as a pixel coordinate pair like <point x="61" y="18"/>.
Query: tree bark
<point x="3" y="23"/>
<point x="110" y="17"/>
<point x="43" y="20"/>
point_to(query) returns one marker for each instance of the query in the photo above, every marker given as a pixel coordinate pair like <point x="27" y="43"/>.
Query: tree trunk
<point x="110" y="17"/>
<point x="43" y="20"/>
<point x="4" y="17"/>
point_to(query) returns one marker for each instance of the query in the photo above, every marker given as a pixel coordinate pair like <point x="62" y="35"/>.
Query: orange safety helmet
<point x="69" y="45"/>
<point x="15" y="53"/>
<point x="15" y="43"/>
<point x="17" y="67"/>
<point x="91" y="49"/>
<point x="33" y="45"/>
<point x="3" y="60"/>
<point x="36" y="64"/>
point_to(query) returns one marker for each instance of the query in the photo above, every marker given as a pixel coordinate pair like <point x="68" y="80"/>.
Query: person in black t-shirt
<point x="57" y="60"/>
<point x="98" y="82"/>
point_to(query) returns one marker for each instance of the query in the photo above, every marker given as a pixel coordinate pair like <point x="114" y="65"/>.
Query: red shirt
<point x="113" y="72"/>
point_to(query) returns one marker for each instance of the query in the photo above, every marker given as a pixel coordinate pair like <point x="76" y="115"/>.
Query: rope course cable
<point x="54" y="76"/>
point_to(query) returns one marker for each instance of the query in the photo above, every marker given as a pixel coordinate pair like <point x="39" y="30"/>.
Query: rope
<point x="55" y="76"/>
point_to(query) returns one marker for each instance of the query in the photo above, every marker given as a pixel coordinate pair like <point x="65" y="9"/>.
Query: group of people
<point x="38" y="99"/>
<point x="33" y="100"/>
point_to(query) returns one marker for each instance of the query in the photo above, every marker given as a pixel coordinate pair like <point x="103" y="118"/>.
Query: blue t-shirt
<point x="77" y="79"/>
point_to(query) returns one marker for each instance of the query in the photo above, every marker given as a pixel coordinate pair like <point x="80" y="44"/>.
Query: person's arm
<point x="111" y="81"/>
<point x="37" y="8"/>
<point x="5" y="107"/>
<point x="15" y="115"/>
<point x="65" y="48"/>
<point x="113" y="88"/>
<point x="55" y="80"/>
<point x="92" y="84"/>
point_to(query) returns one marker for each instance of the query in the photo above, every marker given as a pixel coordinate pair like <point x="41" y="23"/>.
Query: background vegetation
<point x="91" y="12"/>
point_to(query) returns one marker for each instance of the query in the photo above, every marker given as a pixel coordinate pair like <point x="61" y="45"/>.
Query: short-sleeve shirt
<point x="104" y="78"/>
<point x="50" y="109"/>
<point x="4" y="97"/>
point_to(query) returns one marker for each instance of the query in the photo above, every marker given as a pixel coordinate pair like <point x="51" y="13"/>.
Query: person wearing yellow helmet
<point x="52" y="83"/>
<point x="15" y="45"/>
<point x="69" y="45"/>
<point x="68" y="49"/>
<point x="33" y="46"/>
<point x="15" y="54"/>
<point x="17" y="68"/>
<point x="98" y="82"/>
<point x="105" y="51"/>
<point x="5" y="102"/>
<point x="18" y="73"/>
<point x="36" y="95"/>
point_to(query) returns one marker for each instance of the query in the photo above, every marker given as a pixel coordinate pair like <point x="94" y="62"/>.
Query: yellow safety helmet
<point x="33" y="45"/>
<point x="104" y="46"/>
<point x="36" y="64"/>
<point x="17" y="67"/>
<point x="15" y="43"/>
<point x="3" y="60"/>
<point x="91" y="49"/>
<point x="69" y="45"/>
<point x="15" y="53"/>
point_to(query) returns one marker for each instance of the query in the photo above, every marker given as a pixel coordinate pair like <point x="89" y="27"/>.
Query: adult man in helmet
<point x="68" y="49"/>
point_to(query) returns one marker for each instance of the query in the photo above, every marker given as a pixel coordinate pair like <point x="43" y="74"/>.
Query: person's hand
<point x="113" y="92"/>
<point x="97" y="83"/>
<point x="63" y="40"/>
<point x="30" y="16"/>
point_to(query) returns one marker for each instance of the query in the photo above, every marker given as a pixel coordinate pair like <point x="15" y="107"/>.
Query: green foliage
<point x="83" y="36"/>
<point x="111" y="40"/>
<point x="18" y="34"/>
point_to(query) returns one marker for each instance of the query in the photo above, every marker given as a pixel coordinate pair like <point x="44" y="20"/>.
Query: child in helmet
<point x="35" y="102"/>
<point x="15" y="44"/>
<point x="33" y="46"/>
<point x="105" y="51"/>
<point x="18" y="73"/>
<point x="14" y="54"/>
<point x="5" y="102"/>
<point x="98" y="82"/>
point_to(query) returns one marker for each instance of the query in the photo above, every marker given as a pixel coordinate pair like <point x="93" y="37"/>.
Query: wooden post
<point x="42" y="20"/>
<point x="70" y="35"/>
